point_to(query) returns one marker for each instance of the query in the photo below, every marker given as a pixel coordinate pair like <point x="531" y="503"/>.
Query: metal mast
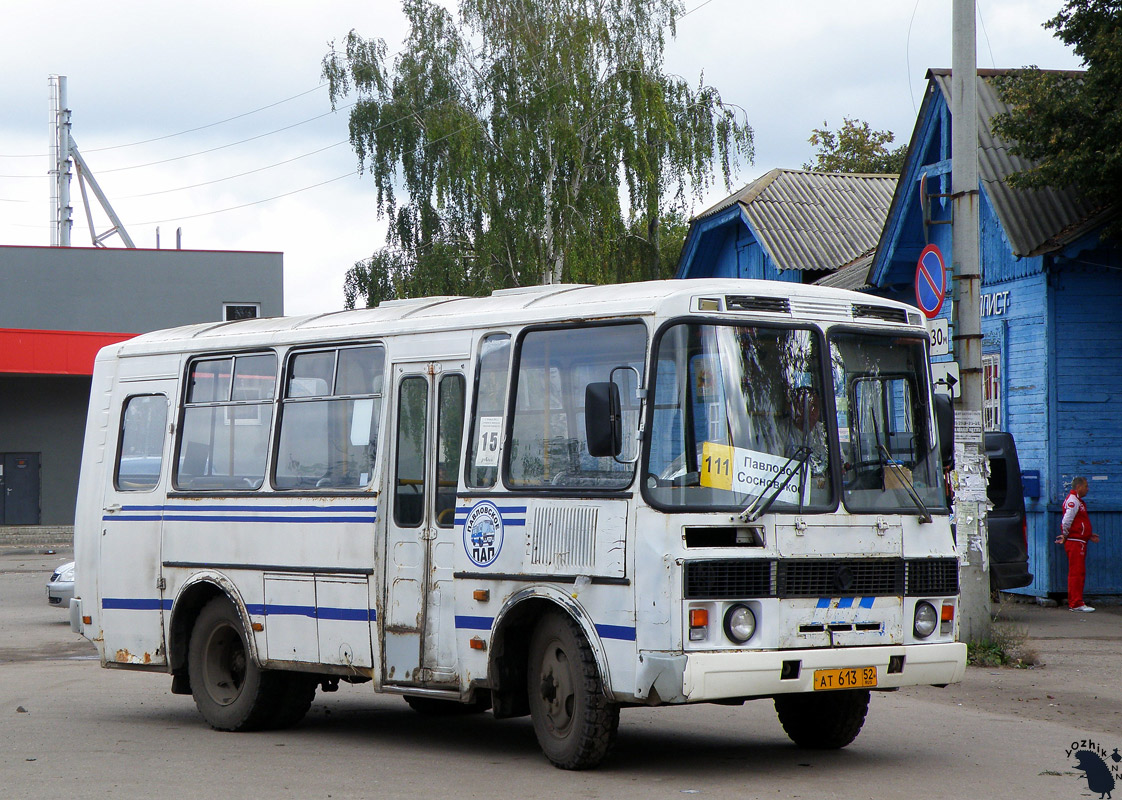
<point x="63" y="151"/>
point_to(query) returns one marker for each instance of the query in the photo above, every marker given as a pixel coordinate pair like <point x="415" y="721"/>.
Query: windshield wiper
<point x="758" y="507"/>
<point x="886" y="457"/>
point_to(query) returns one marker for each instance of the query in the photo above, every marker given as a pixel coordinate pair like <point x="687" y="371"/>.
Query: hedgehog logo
<point x="1098" y="775"/>
<point x="483" y="534"/>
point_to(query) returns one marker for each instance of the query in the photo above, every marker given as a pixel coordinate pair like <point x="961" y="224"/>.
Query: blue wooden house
<point x="789" y="225"/>
<point x="1051" y="305"/>
<point x="1051" y="316"/>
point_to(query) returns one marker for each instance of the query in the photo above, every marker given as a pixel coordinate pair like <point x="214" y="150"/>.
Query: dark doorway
<point x="19" y="489"/>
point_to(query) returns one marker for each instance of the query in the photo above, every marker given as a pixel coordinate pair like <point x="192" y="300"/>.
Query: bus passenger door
<point x="418" y="625"/>
<point x="130" y="583"/>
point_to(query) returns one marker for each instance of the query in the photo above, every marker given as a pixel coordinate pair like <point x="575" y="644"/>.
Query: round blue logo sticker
<point x="483" y="534"/>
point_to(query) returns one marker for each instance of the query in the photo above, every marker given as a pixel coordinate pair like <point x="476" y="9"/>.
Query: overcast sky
<point x="143" y="70"/>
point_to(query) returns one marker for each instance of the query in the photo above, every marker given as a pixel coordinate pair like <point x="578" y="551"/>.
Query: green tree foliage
<point x="856" y="148"/>
<point x="1070" y="124"/>
<point x="529" y="141"/>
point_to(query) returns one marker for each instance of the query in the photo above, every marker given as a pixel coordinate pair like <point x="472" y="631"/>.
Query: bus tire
<point x="295" y="697"/>
<point x="823" y="721"/>
<point x="230" y="690"/>
<point x="573" y="720"/>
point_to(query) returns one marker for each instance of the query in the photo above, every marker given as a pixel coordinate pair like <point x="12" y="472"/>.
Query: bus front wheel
<point x="823" y="721"/>
<point x="231" y="692"/>
<point x="574" y="721"/>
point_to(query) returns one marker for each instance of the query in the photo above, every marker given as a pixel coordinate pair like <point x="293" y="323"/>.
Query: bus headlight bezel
<point x="739" y="623"/>
<point x="925" y="620"/>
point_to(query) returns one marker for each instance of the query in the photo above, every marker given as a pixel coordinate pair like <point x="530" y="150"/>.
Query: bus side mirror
<point x="603" y="420"/>
<point x="944" y="421"/>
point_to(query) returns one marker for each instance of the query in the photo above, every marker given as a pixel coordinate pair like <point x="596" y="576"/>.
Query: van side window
<point x="329" y="417"/>
<point x="141" y="455"/>
<point x="490" y="400"/>
<point x="549" y="447"/>
<point x="227" y="417"/>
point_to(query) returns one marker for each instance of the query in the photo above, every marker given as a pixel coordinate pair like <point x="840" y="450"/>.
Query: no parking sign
<point x="931" y="281"/>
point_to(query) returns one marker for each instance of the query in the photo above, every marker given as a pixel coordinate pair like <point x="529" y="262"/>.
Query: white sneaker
<point x="1084" y="608"/>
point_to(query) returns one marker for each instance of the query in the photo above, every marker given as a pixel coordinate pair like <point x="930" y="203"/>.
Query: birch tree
<point x="526" y="141"/>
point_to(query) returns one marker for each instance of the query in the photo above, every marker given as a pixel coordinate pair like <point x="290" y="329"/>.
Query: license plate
<point x="852" y="678"/>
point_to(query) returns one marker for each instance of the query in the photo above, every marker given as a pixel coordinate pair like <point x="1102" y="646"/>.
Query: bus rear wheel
<point x="823" y="721"/>
<point x="230" y="690"/>
<point x="574" y="721"/>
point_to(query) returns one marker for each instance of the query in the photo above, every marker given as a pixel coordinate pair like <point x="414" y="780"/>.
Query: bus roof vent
<point x="770" y="305"/>
<point x="880" y="312"/>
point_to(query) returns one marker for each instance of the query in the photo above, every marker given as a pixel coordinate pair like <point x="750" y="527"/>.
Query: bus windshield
<point x="889" y="448"/>
<point x="738" y="416"/>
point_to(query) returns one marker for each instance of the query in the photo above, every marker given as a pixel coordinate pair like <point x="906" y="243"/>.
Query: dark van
<point x="1008" y="530"/>
<point x="1008" y="527"/>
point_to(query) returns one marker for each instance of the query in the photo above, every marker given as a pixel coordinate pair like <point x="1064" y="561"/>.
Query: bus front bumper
<point x="716" y="675"/>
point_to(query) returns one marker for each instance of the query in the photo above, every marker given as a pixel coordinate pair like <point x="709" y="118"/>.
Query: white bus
<point x="557" y="501"/>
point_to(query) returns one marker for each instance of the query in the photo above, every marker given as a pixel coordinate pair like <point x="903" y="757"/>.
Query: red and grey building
<point x="58" y="307"/>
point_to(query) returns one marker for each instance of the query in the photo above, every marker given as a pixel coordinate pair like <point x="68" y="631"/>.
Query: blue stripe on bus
<point x="348" y="614"/>
<point x="616" y="632"/>
<point x="301" y="509"/>
<point x="135" y="603"/>
<point x="254" y="609"/>
<point x="172" y="517"/>
<point x="846" y="602"/>
<point x="474" y="623"/>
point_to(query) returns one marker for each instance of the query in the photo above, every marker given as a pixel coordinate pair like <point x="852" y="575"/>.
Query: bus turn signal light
<point x="699" y="624"/>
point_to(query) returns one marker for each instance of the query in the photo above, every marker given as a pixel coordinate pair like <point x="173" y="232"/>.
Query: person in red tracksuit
<point x="1075" y="533"/>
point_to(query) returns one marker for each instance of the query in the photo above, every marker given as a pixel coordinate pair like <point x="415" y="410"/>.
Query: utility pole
<point x="970" y="460"/>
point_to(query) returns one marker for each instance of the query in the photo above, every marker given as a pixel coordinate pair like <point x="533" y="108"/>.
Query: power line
<point x="180" y="133"/>
<point x="472" y="124"/>
<point x="246" y="205"/>
<point x="231" y="177"/>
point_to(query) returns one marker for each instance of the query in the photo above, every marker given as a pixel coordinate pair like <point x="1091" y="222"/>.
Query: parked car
<point x="60" y="588"/>
<point x="1006" y="521"/>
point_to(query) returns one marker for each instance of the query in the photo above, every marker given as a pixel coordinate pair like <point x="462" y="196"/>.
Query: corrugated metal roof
<point x="814" y="220"/>
<point x="1035" y="221"/>
<point x="854" y="277"/>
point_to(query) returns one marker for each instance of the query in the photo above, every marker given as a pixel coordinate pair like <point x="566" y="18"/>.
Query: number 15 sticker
<point x="487" y="445"/>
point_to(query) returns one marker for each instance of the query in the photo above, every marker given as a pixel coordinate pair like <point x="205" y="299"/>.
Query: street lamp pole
<point x="970" y="461"/>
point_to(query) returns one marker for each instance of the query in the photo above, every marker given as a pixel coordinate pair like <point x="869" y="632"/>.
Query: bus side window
<point x="330" y="409"/>
<point x="548" y="447"/>
<point x="141" y="455"/>
<point x="227" y="417"/>
<point x="449" y="437"/>
<point x="490" y="400"/>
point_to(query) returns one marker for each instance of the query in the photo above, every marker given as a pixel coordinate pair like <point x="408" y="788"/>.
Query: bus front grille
<point x="718" y="579"/>
<point x="738" y="579"/>
<point x="836" y="577"/>
<point x="931" y="576"/>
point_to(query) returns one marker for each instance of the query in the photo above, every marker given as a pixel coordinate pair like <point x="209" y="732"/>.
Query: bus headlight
<point x="926" y="620"/>
<point x="740" y="623"/>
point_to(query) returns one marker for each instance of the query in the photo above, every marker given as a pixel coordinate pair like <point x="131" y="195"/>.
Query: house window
<point x="991" y="391"/>
<point x="235" y="311"/>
